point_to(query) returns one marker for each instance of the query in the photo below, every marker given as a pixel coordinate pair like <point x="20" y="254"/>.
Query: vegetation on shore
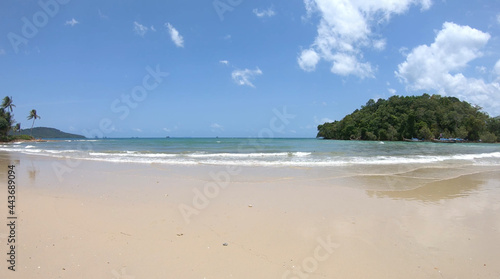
<point x="33" y="115"/>
<point x="424" y="117"/>
<point x="11" y="131"/>
<point x="8" y="125"/>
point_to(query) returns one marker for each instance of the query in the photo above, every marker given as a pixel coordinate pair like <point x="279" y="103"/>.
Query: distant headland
<point x="415" y="117"/>
<point x="47" y="133"/>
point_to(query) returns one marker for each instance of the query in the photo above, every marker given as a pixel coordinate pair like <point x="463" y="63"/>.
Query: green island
<point x="48" y="133"/>
<point x="421" y="118"/>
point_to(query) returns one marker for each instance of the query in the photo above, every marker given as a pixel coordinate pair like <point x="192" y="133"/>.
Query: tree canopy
<point x="424" y="117"/>
<point x="8" y="123"/>
<point x="48" y="133"/>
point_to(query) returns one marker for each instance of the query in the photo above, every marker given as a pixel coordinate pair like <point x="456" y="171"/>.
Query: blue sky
<point x="225" y="67"/>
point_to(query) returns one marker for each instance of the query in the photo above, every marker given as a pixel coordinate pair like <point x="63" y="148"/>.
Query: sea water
<point x="308" y="152"/>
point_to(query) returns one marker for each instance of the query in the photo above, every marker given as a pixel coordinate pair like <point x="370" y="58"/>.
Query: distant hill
<point x="48" y="133"/>
<point x="423" y="117"/>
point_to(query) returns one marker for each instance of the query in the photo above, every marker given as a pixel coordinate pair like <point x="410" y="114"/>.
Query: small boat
<point x="413" y="140"/>
<point x="445" y="140"/>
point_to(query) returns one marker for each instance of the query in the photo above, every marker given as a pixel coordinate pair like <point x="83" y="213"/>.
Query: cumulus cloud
<point x="345" y="29"/>
<point x="379" y="44"/>
<point x="439" y="67"/>
<point x="308" y="60"/>
<point x="243" y="77"/>
<point x="174" y="35"/>
<point x="269" y="12"/>
<point x="225" y="62"/>
<point x="345" y="64"/>
<point x="140" y="29"/>
<point x="71" y="22"/>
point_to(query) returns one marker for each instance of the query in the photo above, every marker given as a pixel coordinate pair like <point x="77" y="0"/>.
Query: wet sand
<point x="105" y="220"/>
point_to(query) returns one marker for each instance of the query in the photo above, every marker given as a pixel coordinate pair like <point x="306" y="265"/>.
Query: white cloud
<point x="498" y="18"/>
<point x="174" y="34"/>
<point x="481" y="69"/>
<point x="403" y="51"/>
<point x="310" y="6"/>
<point x="379" y="44"/>
<point x="225" y="62"/>
<point x="166" y="130"/>
<point x="152" y="28"/>
<point x="71" y="22"/>
<point x="243" y="77"/>
<point x="345" y="29"/>
<point x="264" y="13"/>
<point x="345" y="64"/>
<point x="392" y="91"/>
<point x="140" y="29"/>
<point x="496" y="70"/>
<point x="323" y="120"/>
<point x="308" y="60"/>
<point x="438" y="67"/>
<point x="137" y="130"/>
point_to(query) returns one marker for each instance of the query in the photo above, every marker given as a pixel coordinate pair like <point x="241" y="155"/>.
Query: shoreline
<point x="104" y="219"/>
<point x="399" y="141"/>
<point x="31" y="140"/>
<point x="409" y="140"/>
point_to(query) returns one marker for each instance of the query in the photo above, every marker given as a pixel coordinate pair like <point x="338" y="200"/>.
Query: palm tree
<point x="6" y="111"/>
<point x="33" y="116"/>
<point x="7" y="103"/>
<point x="17" y="128"/>
<point x="10" y="121"/>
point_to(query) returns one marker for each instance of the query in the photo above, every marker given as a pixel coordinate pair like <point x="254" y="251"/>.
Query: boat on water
<point x="413" y="140"/>
<point x="449" y="140"/>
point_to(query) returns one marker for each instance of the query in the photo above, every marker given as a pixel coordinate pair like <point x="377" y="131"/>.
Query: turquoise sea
<point x="262" y="151"/>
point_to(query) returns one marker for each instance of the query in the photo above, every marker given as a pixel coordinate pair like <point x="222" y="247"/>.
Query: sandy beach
<point x="108" y="220"/>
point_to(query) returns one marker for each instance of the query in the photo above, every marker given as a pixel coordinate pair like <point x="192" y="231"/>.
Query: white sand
<point x="123" y="221"/>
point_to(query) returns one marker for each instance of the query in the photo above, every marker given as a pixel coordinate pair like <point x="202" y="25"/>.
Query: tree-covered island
<point x="424" y="117"/>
